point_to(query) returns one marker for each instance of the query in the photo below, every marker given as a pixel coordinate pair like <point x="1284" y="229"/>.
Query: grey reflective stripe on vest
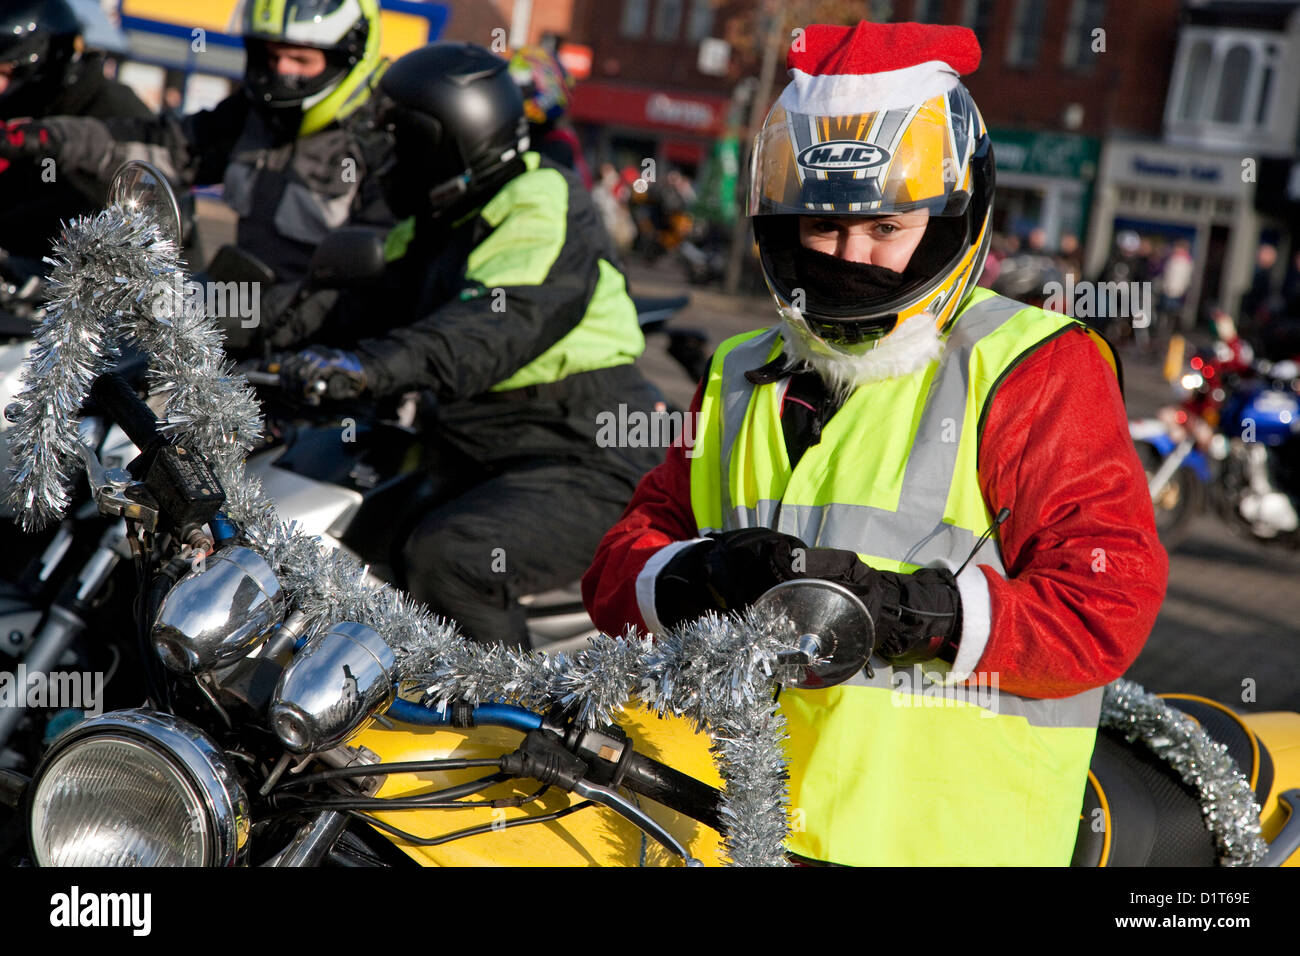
<point x="915" y="687"/>
<point x="736" y="393"/>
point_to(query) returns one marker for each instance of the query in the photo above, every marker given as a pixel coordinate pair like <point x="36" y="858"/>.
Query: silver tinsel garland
<point x="115" y="277"/>
<point x="1227" y="802"/>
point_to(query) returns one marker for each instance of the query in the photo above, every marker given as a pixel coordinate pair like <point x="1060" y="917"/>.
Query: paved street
<point x="1232" y="613"/>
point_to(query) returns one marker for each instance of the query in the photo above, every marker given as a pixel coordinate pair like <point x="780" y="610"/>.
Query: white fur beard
<point x="911" y="346"/>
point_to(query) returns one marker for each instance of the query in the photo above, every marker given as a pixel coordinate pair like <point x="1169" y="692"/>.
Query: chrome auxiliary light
<point x="340" y="679"/>
<point x="217" y="614"/>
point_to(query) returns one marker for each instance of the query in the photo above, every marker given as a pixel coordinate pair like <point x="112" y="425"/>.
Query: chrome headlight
<point x="136" y="788"/>
<point x="331" y="688"/>
<point x="217" y="615"/>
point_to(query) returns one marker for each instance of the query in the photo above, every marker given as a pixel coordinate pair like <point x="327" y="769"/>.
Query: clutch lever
<point x="638" y="817"/>
<point x="116" y="493"/>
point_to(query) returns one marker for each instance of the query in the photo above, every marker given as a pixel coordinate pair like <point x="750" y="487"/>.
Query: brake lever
<point x="117" y="494"/>
<point x="623" y="807"/>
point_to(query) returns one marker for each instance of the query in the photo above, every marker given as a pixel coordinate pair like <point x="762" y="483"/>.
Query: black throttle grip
<point x="127" y="409"/>
<point x="674" y="790"/>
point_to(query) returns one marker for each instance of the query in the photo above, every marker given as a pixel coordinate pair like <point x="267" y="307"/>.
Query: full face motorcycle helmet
<point x="543" y="83"/>
<point x="347" y="31"/>
<point x="41" y="39"/>
<point x="458" y="125"/>
<point x="875" y="122"/>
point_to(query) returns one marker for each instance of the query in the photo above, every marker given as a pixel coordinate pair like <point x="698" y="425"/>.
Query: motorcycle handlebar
<point x="642" y="774"/>
<point x="126" y="408"/>
<point x="675" y="790"/>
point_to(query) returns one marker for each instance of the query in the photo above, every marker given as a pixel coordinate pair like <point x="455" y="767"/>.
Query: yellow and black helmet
<point x="346" y="30"/>
<point x="864" y="132"/>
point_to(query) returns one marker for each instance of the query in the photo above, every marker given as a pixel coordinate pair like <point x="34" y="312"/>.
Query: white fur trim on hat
<point x="842" y="94"/>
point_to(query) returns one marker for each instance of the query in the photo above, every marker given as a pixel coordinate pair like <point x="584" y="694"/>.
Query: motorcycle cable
<point x="469" y="831"/>
<point x="437" y="800"/>
<point x="382" y="769"/>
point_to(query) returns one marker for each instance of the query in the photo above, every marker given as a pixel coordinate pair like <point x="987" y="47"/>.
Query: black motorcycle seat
<point x="1137" y="811"/>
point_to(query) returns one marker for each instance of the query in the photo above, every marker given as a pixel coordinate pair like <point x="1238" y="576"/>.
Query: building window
<point x="1226" y="78"/>
<point x="1224" y="207"/>
<point x="635" y="14"/>
<point x="1232" y="84"/>
<point x="978" y="16"/>
<point x="927" y="11"/>
<point x="701" y="22"/>
<point x="1195" y="78"/>
<point x="1265" y="90"/>
<point x="1026" y="34"/>
<point x="1085" y="17"/>
<point x="668" y="19"/>
<point x="1191" y="203"/>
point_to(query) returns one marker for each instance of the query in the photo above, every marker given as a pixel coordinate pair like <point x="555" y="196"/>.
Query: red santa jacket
<point x="1086" y="573"/>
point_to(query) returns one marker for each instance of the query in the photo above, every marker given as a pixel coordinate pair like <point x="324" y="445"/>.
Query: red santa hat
<point x="875" y="66"/>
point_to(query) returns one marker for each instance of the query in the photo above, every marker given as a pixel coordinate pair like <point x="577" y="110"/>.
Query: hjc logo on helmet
<point x="842" y="154"/>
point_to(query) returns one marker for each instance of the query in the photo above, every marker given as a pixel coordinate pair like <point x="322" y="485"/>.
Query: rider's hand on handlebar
<point x="320" y="372"/>
<point x="27" y="140"/>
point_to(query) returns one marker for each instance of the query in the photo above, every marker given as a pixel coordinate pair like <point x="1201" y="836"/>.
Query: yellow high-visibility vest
<point x="902" y="768"/>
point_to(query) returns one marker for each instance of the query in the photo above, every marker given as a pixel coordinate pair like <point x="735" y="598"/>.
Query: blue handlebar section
<point x="485" y="715"/>
<point x="223" y="529"/>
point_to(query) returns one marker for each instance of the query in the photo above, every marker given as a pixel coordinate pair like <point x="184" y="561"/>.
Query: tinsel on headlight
<point x="1227" y="801"/>
<point x="115" y="277"/>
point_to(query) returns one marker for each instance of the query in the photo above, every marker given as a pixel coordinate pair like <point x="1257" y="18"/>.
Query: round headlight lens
<point x="109" y="800"/>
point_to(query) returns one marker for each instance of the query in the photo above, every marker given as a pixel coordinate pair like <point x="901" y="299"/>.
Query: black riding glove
<point x="320" y="372"/>
<point x="917" y="615"/>
<point x="28" y="141"/>
<point x="727" y="572"/>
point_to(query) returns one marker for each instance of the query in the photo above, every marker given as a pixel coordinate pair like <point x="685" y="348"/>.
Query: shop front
<point x="188" y="56"/>
<point x="628" y="124"/>
<point x="1166" y="193"/>
<point x="1044" y="180"/>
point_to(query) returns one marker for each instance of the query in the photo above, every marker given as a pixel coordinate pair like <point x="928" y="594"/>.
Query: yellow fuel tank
<point x="590" y="836"/>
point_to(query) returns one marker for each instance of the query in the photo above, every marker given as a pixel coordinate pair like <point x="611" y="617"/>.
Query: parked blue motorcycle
<point x="1232" y="442"/>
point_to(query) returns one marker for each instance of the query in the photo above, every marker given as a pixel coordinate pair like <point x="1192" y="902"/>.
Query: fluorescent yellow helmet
<point x="346" y="30"/>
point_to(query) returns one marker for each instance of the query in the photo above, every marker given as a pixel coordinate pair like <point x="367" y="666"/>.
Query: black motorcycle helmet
<point x="40" y="37"/>
<point x="458" y="122"/>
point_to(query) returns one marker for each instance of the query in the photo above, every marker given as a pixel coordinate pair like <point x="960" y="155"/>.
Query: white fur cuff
<point x="645" y="581"/>
<point x="976" y="623"/>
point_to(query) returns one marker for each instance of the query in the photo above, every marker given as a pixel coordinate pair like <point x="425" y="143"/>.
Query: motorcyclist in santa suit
<point x="294" y="148"/>
<point x="501" y="300"/>
<point x="45" y="70"/>
<point x="894" y="416"/>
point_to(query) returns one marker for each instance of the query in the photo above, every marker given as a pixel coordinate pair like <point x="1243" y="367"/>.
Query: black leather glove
<point x="727" y="572"/>
<point x="318" y="372"/>
<point x="917" y="615"/>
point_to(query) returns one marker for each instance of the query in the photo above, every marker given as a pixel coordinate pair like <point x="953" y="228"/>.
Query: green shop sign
<point x="1045" y="154"/>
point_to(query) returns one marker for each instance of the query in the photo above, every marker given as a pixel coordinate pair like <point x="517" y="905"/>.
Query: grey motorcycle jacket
<point x="289" y="191"/>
